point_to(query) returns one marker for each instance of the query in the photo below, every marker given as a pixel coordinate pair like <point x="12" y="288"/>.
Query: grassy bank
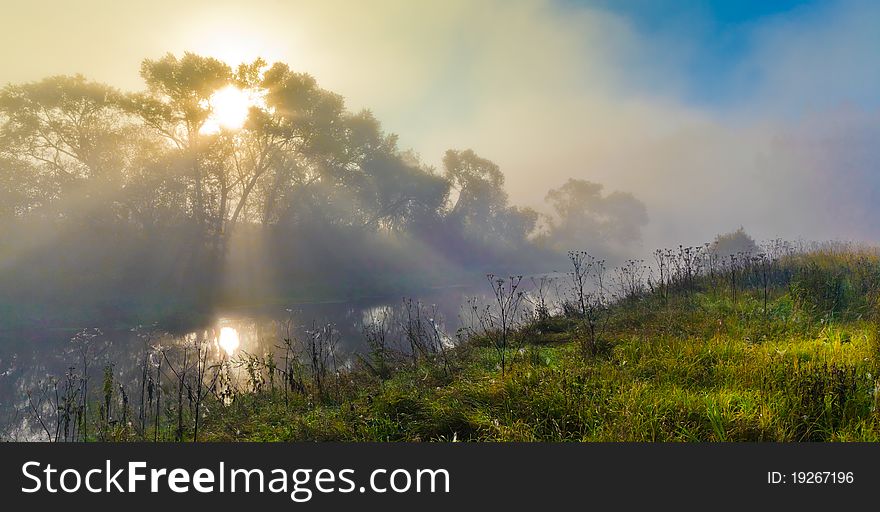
<point x="757" y="348"/>
<point x="699" y="363"/>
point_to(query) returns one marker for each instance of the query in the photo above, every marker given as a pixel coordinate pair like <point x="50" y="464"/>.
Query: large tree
<point x="176" y="106"/>
<point x="482" y="206"/>
<point x="69" y="144"/>
<point x="587" y="219"/>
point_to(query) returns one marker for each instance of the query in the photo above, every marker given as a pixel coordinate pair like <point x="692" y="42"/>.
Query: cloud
<point x="554" y="94"/>
<point x="815" y="59"/>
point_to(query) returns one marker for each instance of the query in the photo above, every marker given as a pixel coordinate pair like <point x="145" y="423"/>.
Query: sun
<point x="229" y="108"/>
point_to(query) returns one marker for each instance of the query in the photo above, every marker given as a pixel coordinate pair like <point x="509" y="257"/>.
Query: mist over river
<point x="34" y="359"/>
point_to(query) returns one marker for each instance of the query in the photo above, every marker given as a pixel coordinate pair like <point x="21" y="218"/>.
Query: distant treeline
<point x="126" y="204"/>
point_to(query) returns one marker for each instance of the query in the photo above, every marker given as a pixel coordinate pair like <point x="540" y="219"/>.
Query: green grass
<point x="698" y="367"/>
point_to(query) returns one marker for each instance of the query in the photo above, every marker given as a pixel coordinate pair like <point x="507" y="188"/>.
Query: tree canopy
<point x="312" y="178"/>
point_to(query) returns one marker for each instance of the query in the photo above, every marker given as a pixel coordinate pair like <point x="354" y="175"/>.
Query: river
<point x="33" y="361"/>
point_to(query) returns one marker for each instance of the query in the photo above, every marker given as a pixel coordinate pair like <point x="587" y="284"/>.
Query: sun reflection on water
<point x="228" y="340"/>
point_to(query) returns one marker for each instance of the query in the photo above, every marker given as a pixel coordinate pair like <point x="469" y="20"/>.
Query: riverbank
<point x="767" y="348"/>
<point x="702" y="364"/>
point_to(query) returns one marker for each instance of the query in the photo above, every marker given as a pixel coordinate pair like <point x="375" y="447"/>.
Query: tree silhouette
<point x="140" y="195"/>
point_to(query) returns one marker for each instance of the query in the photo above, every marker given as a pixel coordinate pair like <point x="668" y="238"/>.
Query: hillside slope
<point x="689" y="359"/>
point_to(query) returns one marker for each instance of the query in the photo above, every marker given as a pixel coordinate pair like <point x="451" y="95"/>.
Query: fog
<point x="220" y="187"/>
<point x="499" y="135"/>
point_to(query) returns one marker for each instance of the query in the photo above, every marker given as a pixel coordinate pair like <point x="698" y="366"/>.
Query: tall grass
<point x="776" y="346"/>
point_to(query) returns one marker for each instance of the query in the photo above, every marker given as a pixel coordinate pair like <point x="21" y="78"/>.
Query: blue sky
<point x="714" y="40"/>
<point x="657" y="14"/>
